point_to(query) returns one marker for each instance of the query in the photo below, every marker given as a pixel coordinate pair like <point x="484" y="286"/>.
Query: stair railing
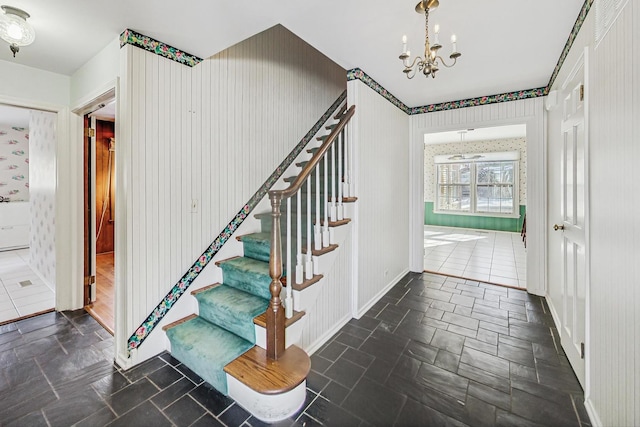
<point x="330" y="203"/>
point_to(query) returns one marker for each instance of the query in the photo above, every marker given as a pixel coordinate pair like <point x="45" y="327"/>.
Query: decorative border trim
<point x="572" y="37"/>
<point x="358" y="74"/>
<point x="483" y="100"/>
<point x="159" y="48"/>
<point x="158" y="313"/>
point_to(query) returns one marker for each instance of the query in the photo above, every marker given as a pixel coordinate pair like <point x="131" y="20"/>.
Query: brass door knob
<point x="557" y="227"/>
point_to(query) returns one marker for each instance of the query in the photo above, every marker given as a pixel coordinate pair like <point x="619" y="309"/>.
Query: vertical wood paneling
<point x="382" y="187"/>
<point x="615" y="383"/>
<point x="213" y="133"/>
<point x="613" y="343"/>
<point x="332" y="306"/>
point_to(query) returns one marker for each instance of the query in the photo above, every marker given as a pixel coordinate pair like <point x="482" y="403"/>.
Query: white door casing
<point x="574" y="265"/>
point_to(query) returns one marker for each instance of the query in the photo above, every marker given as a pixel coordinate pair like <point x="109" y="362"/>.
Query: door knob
<point x="557" y="227"/>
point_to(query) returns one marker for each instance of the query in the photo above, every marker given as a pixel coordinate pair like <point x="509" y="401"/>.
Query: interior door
<point x="573" y="225"/>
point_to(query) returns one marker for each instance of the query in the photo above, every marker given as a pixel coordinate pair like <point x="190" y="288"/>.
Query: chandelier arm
<point x="416" y="59"/>
<point x="444" y="63"/>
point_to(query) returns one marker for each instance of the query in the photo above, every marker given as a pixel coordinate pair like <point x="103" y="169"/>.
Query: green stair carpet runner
<point x="224" y="328"/>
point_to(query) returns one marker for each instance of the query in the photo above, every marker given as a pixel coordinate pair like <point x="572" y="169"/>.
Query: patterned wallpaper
<point x="493" y="145"/>
<point x="14" y="163"/>
<point x="42" y="136"/>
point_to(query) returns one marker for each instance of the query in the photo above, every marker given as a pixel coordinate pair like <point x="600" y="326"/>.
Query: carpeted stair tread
<point x="206" y="349"/>
<point x="256" y="245"/>
<point x="247" y="274"/>
<point x="231" y="309"/>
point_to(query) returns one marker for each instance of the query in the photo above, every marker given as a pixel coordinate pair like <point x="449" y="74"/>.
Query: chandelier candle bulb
<point x="431" y="62"/>
<point x="454" y="43"/>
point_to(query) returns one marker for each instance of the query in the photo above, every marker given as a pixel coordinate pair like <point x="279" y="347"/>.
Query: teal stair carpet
<point x="224" y="328"/>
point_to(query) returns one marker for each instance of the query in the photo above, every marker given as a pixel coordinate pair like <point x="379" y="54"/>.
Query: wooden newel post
<point x="275" y="312"/>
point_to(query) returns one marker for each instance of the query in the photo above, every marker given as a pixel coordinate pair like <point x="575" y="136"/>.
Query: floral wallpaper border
<point x="358" y="74"/>
<point x="147" y="43"/>
<point x="158" y="313"/>
<point x="572" y="36"/>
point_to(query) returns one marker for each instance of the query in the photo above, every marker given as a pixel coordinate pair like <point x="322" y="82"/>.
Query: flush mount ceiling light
<point x="14" y="28"/>
<point x="430" y="64"/>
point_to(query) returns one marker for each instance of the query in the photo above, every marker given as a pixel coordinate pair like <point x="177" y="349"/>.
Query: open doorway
<point x="27" y="212"/>
<point x="99" y="218"/>
<point x="475" y="197"/>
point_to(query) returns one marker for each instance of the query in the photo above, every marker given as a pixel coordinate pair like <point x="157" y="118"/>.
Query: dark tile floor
<point x="434" y="351"/>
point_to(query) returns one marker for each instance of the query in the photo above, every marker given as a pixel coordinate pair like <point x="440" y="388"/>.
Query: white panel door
<point x="574" y="265"/>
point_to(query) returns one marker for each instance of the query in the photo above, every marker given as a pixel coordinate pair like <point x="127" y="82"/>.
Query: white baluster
<point x="317" y="236"/>
<point x="299" y="264"/>
<point x="340" y="210"/>
<point x="288" y="301"/>
<point x="308" y="266"/>
<point x="325" y="228"/>
<point x="346" y="173"/>
<point x="333" y="213"/>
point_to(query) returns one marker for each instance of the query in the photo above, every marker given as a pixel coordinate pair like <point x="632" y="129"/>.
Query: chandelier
<point x="430" y="63"/>
<point x="14" y="28"/>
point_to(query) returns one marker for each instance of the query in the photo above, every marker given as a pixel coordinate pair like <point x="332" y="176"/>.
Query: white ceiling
<point x="506" y="45"/>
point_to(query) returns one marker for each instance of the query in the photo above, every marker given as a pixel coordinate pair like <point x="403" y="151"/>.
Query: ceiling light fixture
<point x="14" y="28"/>
<point x="431" y="61"/>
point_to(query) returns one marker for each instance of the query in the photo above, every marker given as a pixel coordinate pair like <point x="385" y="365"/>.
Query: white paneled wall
<point x="332" y="306"/>
<point x="613" y="320"/>
<point x="381" y="156"/>
<point x="529" y="111"/>
<point x="194" y="144"/>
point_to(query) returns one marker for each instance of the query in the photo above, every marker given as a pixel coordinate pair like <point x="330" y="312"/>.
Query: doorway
<point x="475" y="196"/>
<point x="27" y="206"/>
<point x="99" y="213"/>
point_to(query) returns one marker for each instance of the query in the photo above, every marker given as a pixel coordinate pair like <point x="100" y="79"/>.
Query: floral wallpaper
<point x="14" y="163"/>
<point x="488" y="146"/>
<point x="42" y="136"/>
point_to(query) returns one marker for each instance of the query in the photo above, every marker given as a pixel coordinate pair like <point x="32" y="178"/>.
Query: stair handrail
<point x="275" y="313"/>
<point x="310" y="166"/>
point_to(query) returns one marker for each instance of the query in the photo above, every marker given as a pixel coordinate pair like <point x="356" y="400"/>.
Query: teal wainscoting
<point x="470" y="221"/>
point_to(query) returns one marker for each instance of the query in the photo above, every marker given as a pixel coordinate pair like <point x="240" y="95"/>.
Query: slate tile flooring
<point x="434" y="351"/>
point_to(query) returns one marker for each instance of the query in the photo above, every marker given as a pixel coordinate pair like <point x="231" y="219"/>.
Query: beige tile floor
<point x="22" y="291"/>
<point x="489" y="256"/>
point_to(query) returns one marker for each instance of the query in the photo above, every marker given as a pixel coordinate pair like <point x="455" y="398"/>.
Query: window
<point x="482" y="184"/>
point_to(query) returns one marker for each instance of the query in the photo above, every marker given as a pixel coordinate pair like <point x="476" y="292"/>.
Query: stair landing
<point x="268" y="376"/>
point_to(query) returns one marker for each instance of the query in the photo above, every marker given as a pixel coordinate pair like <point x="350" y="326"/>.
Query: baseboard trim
<point x="380" y="294"/>
<point x="325" y="337"/>
<point x="593" y="414"/>
<point x="554" y="313"/>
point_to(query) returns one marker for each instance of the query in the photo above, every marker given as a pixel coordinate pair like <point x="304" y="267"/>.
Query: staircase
<point x="237" y="341"/>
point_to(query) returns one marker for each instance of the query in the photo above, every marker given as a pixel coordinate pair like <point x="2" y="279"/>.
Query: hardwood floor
<point x="102" y="308"/>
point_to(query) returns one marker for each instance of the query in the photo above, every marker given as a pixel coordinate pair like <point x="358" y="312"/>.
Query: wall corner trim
<point x="159" y="48"/>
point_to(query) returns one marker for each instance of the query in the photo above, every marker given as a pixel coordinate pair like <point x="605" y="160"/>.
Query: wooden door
<point x="573" y="226"/>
